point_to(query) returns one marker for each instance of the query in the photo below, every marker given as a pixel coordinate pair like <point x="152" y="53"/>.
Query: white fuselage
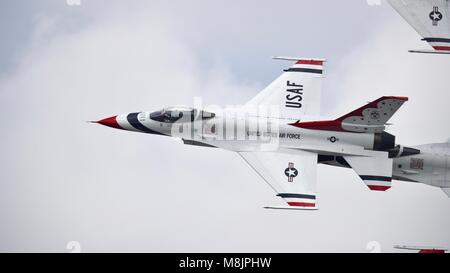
<point x="249" y="133"/>
<point x="242" y="132"/>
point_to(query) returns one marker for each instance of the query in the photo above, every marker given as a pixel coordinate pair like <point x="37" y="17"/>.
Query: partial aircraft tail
<point x="296" y="92"/>
<point x="374" y="170"/>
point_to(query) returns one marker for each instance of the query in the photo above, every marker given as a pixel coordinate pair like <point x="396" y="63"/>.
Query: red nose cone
<point x="110" y="122"/>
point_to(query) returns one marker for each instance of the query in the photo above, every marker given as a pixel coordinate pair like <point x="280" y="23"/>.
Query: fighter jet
<point x="430" y="18"/>
<point x="285" y="143"/>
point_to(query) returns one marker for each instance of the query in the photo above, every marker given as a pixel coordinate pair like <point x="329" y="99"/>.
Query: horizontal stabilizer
<point x="376" y="172"/>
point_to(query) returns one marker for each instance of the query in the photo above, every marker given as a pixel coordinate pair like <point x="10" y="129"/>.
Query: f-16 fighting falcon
<point x="430" y="18"/>
<point x="285" y="143"/>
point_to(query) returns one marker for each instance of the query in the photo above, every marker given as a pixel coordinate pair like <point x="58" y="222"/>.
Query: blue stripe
<point x="296" y="195"/>
<point x="304" y="70"/>
<point x="376" y="178"/>
<point x="133" y="120"/>
<point x="437" y="40"/>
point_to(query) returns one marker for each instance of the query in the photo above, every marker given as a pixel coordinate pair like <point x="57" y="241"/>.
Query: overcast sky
<point x="62" y="179"/>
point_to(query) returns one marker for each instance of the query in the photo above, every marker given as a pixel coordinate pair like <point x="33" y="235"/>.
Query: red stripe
<point x="397" y="98"/>
<point x="432" y="251"/>
<point x="312" y="62"/>
<point x="444" y="48"/>
<point x="379" y="188"/>
<point x="301" y="204"/>
<point x="326" y="125"/>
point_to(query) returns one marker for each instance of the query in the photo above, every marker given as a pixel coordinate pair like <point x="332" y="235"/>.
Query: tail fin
<point x="430" y="18"/>
<point x="296" y="92"/>
<point x="370" y="118"/>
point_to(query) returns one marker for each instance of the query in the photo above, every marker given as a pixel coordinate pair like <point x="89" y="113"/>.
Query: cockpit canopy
<point x="180" y="114"/>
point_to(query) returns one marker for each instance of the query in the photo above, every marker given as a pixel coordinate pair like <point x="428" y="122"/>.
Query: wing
<point x="430" y="18"/>
<point x="296" y="92"/>
<point x="376" y="171"/>
<point x="292" y="176"/>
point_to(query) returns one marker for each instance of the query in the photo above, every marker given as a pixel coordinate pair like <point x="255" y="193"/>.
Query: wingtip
<point x="435" y="51"/>
<point x="291" y="208"/>
<point x="295" y="59"/>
